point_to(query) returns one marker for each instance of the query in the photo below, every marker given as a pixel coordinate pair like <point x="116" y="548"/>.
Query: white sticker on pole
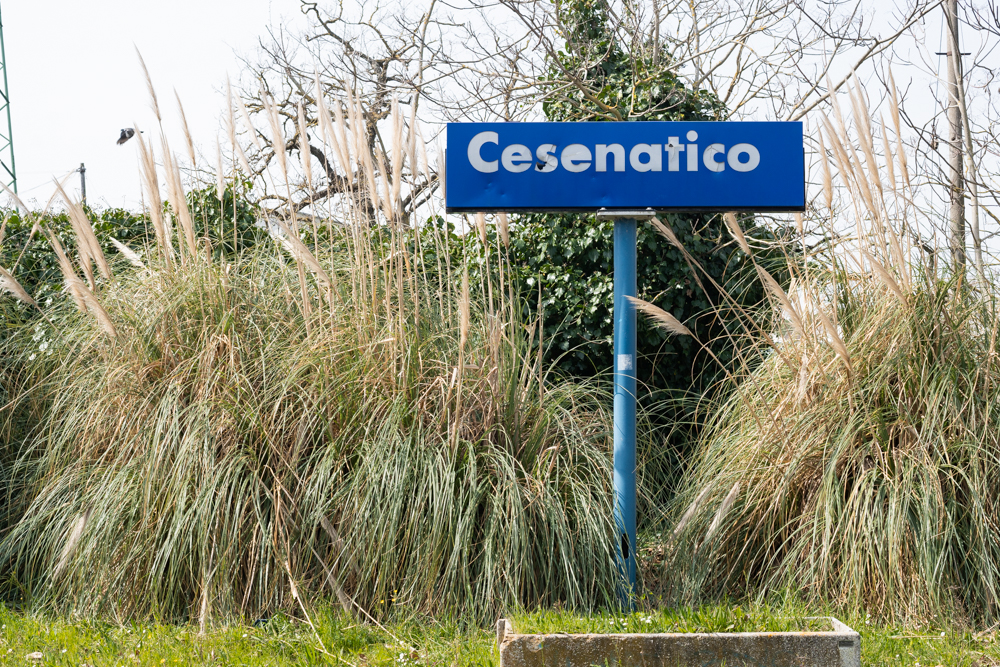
<point x="624" y="362"/>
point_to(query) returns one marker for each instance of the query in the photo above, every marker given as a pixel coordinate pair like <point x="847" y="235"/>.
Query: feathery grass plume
<point x="464" y="307"/>
<point x="666" y="232"/>
<point x="411" y="143"/>
<point x="9" y="284"/>
<point x="84" y="298"/>
<point x="71" y="542"/>
<point x="304" y="146"/>
<point x="149" y="85"/>
<point x="398" y="154"/>
<point x="220" y="181"/>
<point x="441" y="173"/>
<point x="303" y="255"/>
<point x="340" y="138"/>
<point x="246" y="116"/>
<point x="388" y="204"/>
<point x="887" y="149"/>
<point x="865" y="135"/>
<point x="151" y="182"/>
<point x="824" y="163"/>
<point x="277" y="135"/>
<point x="724" y="508"/>
<point x="86" y="240"/>
<point x="836" y="342"/>
<point x="786" y="304"/>
<point x="72" y="281"/>
<point x="178" y="202"/>
<point x="734" y="229"/>
<point x="481" y="226"/>
<point x="231" y="129"/>
<point x="691" y="510"/>
<point x="900" y="151"/>
<point x="884" y="276"/>
<point x="127" y="253"/>
<point x="668" y="321"/>
<point x="422" y="153"/>
<point x="504" y="230"/>
<point x="187" y="132"/>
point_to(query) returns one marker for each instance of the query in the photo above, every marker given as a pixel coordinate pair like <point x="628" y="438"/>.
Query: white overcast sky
<point x="75" y="81"/>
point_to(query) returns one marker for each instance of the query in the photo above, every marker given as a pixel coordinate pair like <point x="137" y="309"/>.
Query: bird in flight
<point x="126" y="134"/>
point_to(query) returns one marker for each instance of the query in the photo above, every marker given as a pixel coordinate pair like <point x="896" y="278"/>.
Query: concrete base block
<point x="840" y="647"/>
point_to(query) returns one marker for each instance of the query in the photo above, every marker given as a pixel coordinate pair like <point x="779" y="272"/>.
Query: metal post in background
<point x="7" y="170"/>
<point x="625" y="394"/>
<point x="83" y="184"/>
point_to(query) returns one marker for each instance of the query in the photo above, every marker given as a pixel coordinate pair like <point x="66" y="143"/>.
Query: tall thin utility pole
<point x="8" y="173"/>
<point x="83" y="183"/>
<point x="956" y="190"/>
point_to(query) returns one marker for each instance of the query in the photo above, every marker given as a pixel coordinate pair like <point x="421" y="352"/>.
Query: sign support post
<point x="624" y="369"/>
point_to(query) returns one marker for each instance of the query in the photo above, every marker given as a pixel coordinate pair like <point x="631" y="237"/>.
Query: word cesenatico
<point x="577" y="158"/>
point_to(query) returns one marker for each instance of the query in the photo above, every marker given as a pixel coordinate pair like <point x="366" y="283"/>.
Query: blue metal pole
<point x="624" y="402"/>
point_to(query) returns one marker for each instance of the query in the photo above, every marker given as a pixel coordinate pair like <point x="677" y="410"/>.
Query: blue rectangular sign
<point x="707" y="166"/>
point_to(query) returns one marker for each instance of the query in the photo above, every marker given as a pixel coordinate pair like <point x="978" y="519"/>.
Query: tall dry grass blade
<point x="71" y="543"/>
<point x="127" y="253"/>
<point x="734" y="229"/>
<point x="187" y="132"/>
<point x="727" y="503"/>
<point x="149" y="85"/>
<point x="463" y="309"/>
<point x="662" y="317"/>
<point x="9" y="284"/>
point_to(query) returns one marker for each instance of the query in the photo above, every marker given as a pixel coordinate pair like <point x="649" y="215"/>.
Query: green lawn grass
<point x="342" y="640"/>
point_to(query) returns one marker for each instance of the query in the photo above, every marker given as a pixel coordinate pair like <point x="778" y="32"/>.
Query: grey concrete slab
<point x="840" y="647"/>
